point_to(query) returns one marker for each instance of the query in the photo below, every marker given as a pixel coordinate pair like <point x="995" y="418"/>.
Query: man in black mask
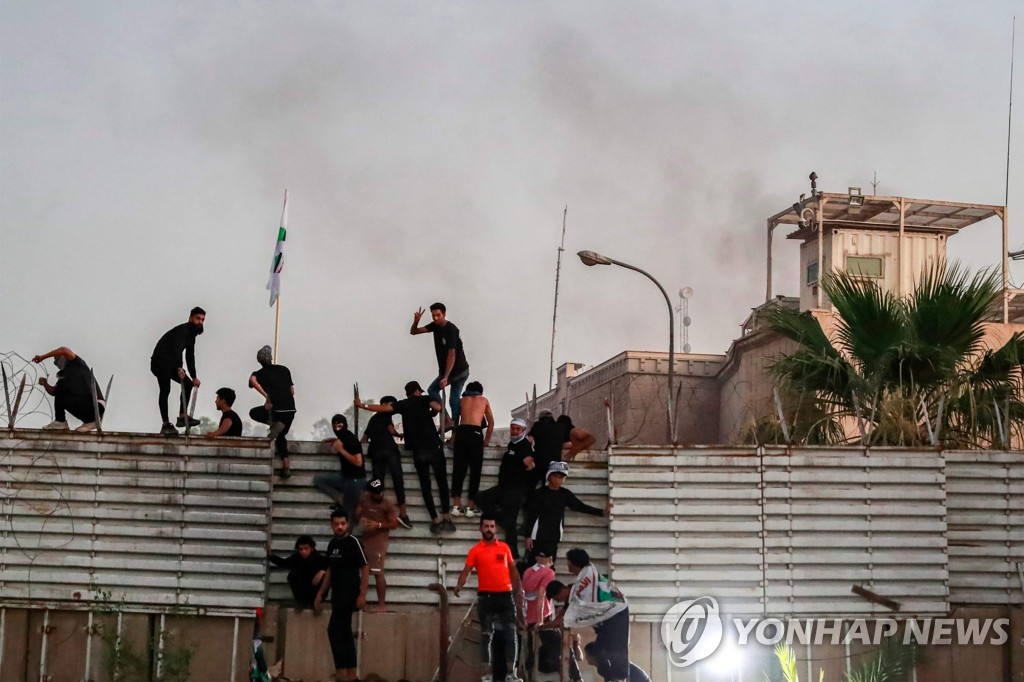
<point x="165" y="364"/>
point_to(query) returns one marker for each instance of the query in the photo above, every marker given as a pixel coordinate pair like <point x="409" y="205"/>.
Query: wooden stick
<point x="191" y="411"/>
<point x="277" y="324"/>
<point x="95" y="400"/>
<point x="17" y="400"/>
<point x="7" y="397"/>
<point x="355" y="411"/>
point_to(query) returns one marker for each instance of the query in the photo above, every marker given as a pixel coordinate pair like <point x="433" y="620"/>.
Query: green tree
<point x="902" y="370"/>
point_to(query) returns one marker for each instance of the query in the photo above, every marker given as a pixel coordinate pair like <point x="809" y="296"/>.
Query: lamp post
<point x="592" y="258"/>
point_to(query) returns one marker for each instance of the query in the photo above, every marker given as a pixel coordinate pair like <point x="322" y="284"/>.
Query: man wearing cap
<point x="377" y="517"/>
<point x="165" y="364"/>
<point x="539" y="610"/>
<point x="515" y="479"/>
<point x="452" y="366"/>
<point x="274" y="383"/>
<point x="544" y="514"/>
<point x="73" y="392"/>
<point x="421" y="437"/>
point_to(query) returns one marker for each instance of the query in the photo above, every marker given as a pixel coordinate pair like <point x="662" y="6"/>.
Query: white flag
<point x="277" y="264"/>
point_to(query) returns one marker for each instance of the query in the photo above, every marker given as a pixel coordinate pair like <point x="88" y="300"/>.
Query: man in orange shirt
<point x="500" y="598"/>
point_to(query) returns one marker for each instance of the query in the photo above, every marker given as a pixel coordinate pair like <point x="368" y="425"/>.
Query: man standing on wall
<point x="452" y="366"/>
<point x="165" y="364"/>
<point x="500" y="599"/>
<point x="470" y="441"/>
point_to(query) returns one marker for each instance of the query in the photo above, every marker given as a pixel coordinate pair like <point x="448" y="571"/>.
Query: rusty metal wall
<point x="153" y="524"/>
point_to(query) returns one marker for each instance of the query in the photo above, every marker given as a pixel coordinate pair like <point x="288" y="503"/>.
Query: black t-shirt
<point x="548" y="438"/>
<point x="236" y="423"/>
<point x="446" y="338"/>
<point x="512" y="474"/>
<point x="76" y="379"/>
<point x="345" y="558"/>
<point x="379" y="432"/>
<point x="276" y="380"/>
<point x="417" y="422"/>
<point x="170" y="346"/>
<point x="352" y="446"/>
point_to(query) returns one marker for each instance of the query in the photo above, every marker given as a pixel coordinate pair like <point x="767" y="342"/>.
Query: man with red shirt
<point x="500" y="600"/>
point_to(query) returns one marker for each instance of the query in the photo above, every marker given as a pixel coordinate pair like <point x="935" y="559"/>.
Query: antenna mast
<point x="1009" y="123"/>
<point x="554" y="315"/>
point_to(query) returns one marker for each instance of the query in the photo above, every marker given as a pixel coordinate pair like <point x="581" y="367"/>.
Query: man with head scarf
<point x="165" y="364"/>
<point x="73" y="392"/>
<point x="274" y="383"/>
<point x="515" y="480"/>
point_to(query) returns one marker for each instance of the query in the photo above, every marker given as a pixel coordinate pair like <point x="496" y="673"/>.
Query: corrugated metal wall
<point x="791" y="532"/>
<point x="157" y="526"/>
<point x="414" y="556"/>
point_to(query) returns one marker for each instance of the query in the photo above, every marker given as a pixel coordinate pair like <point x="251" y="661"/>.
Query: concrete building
<point x="721" y="398"/>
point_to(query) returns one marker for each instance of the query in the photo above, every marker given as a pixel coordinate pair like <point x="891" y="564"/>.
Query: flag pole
<point x="277" y="324"/>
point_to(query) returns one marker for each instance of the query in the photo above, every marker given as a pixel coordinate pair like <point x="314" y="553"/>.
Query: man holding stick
<point x="74" y="391"/>
<point x="165" y="364"/>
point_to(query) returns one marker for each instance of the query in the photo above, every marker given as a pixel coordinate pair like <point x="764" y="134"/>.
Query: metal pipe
<point x="160" y="647"/>
<point x="88" y="647"/>
<point x="42" y="645"/>
<point x="3" y="634"/>
<point x="442" y="631"/>
<point x="234" y="652"/>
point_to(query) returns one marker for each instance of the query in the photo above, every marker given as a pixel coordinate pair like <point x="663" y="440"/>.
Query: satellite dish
<point x="686" y="292"/>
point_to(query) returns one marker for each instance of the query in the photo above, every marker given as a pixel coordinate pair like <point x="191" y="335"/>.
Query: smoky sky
<point x="429" y="150"/>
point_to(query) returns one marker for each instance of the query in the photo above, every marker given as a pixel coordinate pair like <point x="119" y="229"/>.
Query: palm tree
<point x="902" y="370"/>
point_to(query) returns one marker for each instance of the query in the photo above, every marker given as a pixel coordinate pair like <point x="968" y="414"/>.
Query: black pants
<point x="497" y="614"/>
<point x="504" y="505"/>
<point x="341" y="637"/>
<point x="390" y="461"/>
<point x="303" y="588"/>
<point x="78" y="406"/>
<point x="427" y="461"/>
<point x="613" y="640"/>
<point x="263" y="416"/>
<point x="468" y="456"/>
<point x="165" y="374"/>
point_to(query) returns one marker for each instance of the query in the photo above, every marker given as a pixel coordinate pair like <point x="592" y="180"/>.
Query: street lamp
<point x="593" y="258"/>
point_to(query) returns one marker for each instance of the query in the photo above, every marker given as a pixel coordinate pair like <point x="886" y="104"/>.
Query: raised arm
<point x="416" y="328"/>
<point x="360" y="405"/>
<point x="62" y="352"/>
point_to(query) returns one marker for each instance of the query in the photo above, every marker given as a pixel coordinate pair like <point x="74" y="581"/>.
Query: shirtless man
<point x="470" y="441"/>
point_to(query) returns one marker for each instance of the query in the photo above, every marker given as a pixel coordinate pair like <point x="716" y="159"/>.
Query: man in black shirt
<point x="549" y="437"/>
<point x="307" y="569"/>
<point x="230" y="422"/>
<point x="274" y="383"/>
<point x="348" y="576"/>
<point x="165" y="364"/>
<point x="544" y="513"/>
<point x="421" y="437"/>
<point x="452" y="366"/>
<point x="346" y="486"/>
<point x="515" y="480"/>
<point x="384" y="455"/>
<point x="73" y="391"/>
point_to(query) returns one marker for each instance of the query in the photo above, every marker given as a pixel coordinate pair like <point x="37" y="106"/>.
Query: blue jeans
<point x="335" y="486"/>
<point x="455" y="386"/>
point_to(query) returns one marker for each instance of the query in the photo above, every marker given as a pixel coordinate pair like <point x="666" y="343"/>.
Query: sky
<point x="429" y="150"/>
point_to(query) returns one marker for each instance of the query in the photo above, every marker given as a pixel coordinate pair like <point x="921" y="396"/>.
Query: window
<point x="812" y="273"/>
<point x="864" y="266"/>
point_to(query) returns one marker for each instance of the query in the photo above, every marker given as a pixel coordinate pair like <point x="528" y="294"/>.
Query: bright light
<point x="727" y="661"/>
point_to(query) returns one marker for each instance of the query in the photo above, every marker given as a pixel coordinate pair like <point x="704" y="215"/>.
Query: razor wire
<point x="34" y="398"/>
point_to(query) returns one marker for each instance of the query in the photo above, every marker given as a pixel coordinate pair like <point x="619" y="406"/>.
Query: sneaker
<point x="191" y="422"/>
<point x="168" y="430"/>
<point x="457" y="511"/>
<point x="56" y="426"/>
<point x="404" y="521"/>
<point x="436" y="528"/>
<point x="447" y="526"/>
<point x="511" y="677"/>
<point x="275" y="430"/>
<point x="473" y="512"/>
<point x="88" y="426"/>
